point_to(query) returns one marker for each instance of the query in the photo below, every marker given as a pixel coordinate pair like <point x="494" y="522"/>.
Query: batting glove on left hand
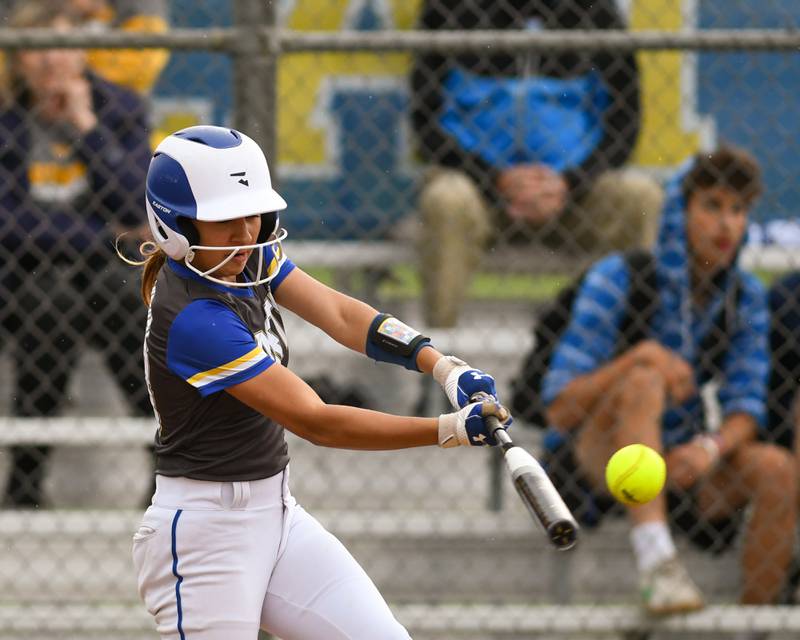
<point x="460" y="381"/>
<point x="469" y="426"/>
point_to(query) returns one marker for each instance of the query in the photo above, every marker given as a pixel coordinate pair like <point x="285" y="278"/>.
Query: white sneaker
<point x="667" y="588"/>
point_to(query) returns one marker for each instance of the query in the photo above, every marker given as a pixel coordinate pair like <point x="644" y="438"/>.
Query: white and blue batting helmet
<point x="212" y="174"/>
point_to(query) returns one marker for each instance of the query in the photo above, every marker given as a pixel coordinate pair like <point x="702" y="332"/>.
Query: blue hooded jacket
<point x="678" y="323"/>
<point x="578" y="112"/>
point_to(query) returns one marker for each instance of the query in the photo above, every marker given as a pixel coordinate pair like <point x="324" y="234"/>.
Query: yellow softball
<point x="635" y="474"/>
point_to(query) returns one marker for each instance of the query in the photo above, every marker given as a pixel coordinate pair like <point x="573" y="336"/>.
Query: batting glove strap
<point x="446" y="372"/>
<point x="468" y="426"/>
<point x="452" y="431"/>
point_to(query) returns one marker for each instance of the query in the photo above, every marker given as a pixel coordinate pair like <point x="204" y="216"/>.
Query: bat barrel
<point x="541" y="499"/>
<point x="537" y="492"/>
<point x="546" y="506"/>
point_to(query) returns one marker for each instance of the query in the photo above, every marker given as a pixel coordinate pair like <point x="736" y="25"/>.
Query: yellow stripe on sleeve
<point x="223" y="371"/>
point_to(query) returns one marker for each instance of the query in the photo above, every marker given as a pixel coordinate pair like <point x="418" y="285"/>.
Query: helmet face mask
<point x="213" y="174"/>
<point x="264" y="272"/>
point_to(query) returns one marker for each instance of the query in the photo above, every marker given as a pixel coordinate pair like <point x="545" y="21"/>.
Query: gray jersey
<point x="202" y="338"/>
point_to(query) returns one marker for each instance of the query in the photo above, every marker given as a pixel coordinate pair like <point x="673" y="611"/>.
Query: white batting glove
<point x="461" y="382"/>
<point x="469" y="426"/>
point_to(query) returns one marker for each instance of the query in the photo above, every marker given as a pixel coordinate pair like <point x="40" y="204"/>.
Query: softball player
<point x="224" y="549"/>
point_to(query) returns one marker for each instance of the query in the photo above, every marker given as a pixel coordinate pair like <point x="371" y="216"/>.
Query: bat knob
<point x="563" y="534"/>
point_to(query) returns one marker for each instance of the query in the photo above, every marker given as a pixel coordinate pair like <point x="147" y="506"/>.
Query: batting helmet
<point x="212" y="174"/>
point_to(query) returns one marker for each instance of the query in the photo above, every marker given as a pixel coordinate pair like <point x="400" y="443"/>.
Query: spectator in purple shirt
<point x="73" y="155"/>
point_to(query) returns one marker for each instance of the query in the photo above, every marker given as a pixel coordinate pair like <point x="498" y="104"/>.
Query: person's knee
<point x="450" y="196"/>
<point x="640" y="188"/>
<point x="630" y="203"/>
<point x="775" y="466"/>
<point x="641" y="386"/>
<point x="770" y="474"/>
<point x="641" y="382"/>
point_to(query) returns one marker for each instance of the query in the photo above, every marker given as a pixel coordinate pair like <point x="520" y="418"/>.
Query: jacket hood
<point x="672" y="259"/>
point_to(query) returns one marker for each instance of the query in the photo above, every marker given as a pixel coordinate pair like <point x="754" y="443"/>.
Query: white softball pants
<point x="219" y="560"/>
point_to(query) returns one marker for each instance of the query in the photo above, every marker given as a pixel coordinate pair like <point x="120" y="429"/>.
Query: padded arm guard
<point x="389" y="340"/>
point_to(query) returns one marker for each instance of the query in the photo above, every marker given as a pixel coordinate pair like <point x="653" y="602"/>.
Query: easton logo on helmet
<point x="160" y="207"/>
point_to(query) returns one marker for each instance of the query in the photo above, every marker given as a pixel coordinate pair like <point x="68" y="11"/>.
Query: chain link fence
<point x="457" y="164"/>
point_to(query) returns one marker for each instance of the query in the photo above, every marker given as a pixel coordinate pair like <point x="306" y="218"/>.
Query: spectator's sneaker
<point x="667" y="588"/>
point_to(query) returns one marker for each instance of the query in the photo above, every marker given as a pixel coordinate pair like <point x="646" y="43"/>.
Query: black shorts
<point x="590" y="507"/>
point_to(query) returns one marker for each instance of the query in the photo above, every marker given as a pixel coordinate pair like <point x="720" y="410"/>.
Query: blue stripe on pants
<point x="176" y="574"/>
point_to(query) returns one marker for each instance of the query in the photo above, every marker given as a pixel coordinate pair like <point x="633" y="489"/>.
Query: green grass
<point x="404" y="284"/>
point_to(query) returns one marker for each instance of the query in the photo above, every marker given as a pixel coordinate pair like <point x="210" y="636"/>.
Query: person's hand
<point x="470" y="426"/>
<point x="689" y="462"/>
<point x="676" y="371"/>
<point x="461" y="382"/>
<point x="533" y="193"/>
<point x="78" y="107"/>
<point x="69" y="101"/>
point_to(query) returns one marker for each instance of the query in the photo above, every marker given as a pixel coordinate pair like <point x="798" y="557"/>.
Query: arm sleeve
<point x="621" y="120"/>
<point x="210" y="347"/>
<point x="590" y="339"/>
<point x="746" y="367"/>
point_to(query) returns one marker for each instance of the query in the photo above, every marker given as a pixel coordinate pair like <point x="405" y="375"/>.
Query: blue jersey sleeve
<point x="744" y="387"/>
<point x="211" y="348"/>
<point x="277" y="262"/>
<point x="590" y="339"/>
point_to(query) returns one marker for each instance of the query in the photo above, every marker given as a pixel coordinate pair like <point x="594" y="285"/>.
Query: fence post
<point x="255" y="75"/>
<point x="254" y="85"/>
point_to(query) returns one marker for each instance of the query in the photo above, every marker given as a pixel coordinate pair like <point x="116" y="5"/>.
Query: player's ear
<point x="269" y="225"/>
<point x="189" y="230"/>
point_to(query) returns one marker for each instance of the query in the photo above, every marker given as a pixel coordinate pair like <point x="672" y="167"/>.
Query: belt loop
<point x="285" y="486"/>
<point x="241" y="495"/>
<point x="227" y="494"/>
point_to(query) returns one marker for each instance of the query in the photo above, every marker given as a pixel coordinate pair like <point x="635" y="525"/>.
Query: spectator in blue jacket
<point x="603" y="394"/>
<point x="524" y="147"/>
<point x="74" y="152"/>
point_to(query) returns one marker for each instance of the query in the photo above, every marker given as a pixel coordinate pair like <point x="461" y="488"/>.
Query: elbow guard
<point x="389" y="340"/>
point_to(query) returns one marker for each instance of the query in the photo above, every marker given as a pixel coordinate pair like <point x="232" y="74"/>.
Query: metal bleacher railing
<point x="50" y="586"/>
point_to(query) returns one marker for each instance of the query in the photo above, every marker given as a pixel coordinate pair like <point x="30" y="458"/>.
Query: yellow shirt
<point x="136" y="69"/>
